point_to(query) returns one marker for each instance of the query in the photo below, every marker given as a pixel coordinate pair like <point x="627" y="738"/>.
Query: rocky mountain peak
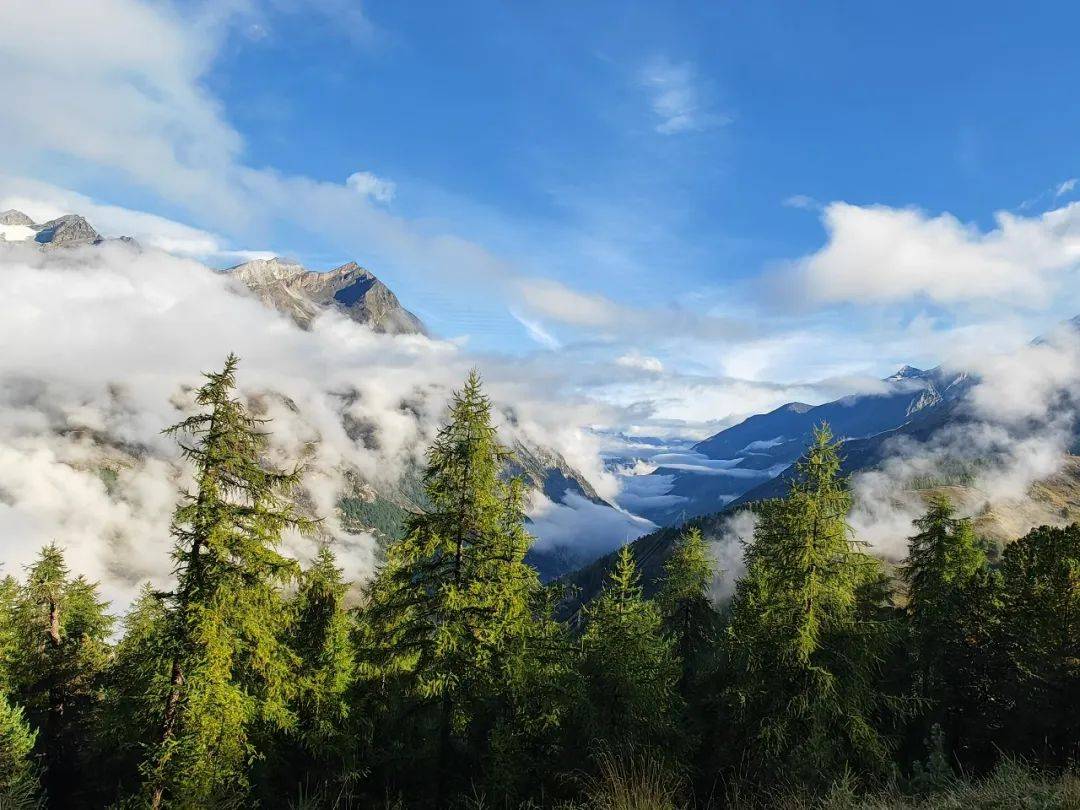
<point x="13" y="217"/>
<point x="907" y="373"/>
<point x="259" y="272"/>
<point x="350" y="289"/>
<point x="66" y="230"/>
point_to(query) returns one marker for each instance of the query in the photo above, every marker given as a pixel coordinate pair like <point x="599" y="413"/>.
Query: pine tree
<point x="808" y="632"/>
<point x="630" y="668"/>
<point x="19" y="778"/>
<point x="688" y="613"/>
<point x="59" y="655"/>
<point x="1039" y="643"/>
<point x="230" y="670"/>
<point x="453" y="604"/>
<point x="947" y="579"/>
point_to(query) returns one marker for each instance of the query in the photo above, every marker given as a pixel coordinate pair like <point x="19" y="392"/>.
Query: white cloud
<point x="368" y="185"/>
<point x="537" y="331"/>
<point x="677" y="99"/>
<point x="557" y="301"/>
<point x="42" y="202"/>
<point x="882" y="254"/>
<point x="802" y="201"/>
<point x="1065" y="187"/>
<point x="634" y="359"/>
<point x="101" y="348"/>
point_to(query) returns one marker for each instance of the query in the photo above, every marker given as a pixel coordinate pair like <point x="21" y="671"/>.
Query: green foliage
<point x="452" y="611"/>
<point x="19" y="777"/>
<point x="318" y="751"/>
<point x="385" y="517"/>
<point x="1039" y="644"/>
<point x="629" y="666"/>
<point x="230" y="672"/>
<point x="950" y="592"/>
<point x="59" y="651"/>
<point x="808" y="633"/>
<point x="136" y="685"/>
<point x="449" y="683"/>
<point x="689" y="617"/>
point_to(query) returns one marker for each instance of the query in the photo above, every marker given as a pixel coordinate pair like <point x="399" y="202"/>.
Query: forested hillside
<point x="452" y="678"/>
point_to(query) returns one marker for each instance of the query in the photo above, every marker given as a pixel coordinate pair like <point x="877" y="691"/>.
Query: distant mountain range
<point x="723" y="468"/>
<point x="70" y="229"/>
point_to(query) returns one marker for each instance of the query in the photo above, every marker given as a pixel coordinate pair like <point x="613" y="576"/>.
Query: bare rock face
<point x="69" y="229"/>
<point x="351" y="289"/>
<point x="13" y="217"/>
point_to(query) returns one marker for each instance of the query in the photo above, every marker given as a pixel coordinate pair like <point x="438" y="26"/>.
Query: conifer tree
<point x="1039" y="643"/>
<point x="316" y="753"/>
<point x="60" y="652"/>
<point x="688" y="613"/>
<point x="230" y="669"/>
<point x="947" y="579"/>
<point x="19" y="775"/>
<point x="807" y="633"/>
<point x="9" y="599"/>
<point x="453" y="603"/>
<point x="135" y="681"/>
<point x="630" y="667"/>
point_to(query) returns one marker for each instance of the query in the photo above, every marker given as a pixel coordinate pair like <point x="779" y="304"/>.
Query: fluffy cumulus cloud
<point x="882" y="254"/>
<point x="102" y="350"/>
<point x="368" y="185"/>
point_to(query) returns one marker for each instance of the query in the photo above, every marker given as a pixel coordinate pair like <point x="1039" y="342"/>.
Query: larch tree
<point x="453" y="604"/>
<point x="230" y="670"/>
<point x="688" y="613"/>
<point x="948" y="581"/>
<point x="20" y="785"/>
<point x="1039" y="643"/>
<point x="319" y="750"/>
<point x="630" y="668"/>
<point x="807" y="632"/>
<point x="61" y="649"/>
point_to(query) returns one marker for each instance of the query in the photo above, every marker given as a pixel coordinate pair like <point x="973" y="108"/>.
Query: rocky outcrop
<point x="350" y="289"/>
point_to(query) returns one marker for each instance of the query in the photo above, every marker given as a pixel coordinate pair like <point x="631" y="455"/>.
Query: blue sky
<point x="693" y="193"/>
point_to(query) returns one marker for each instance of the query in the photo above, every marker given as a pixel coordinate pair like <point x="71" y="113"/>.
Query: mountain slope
<point x="721" y="469"/>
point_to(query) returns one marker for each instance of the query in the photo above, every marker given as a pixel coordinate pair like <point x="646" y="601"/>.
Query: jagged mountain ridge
<point x="302" y="294"/>
<point x="64" y="231"/>
<point x="746" y="456"/>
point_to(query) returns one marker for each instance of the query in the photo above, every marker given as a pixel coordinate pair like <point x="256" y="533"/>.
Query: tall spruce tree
<point x="1039" y="645"/>
<point x="948" y="582"/>
<point x="630" y="668"/>
<point x="807" y="633"/>
<point x="230" y="671"/>
<point x="453" y="604"/>
<point x="60" y="652"/>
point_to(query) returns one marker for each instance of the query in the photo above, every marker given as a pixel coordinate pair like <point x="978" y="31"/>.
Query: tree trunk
<point x="168" y="728"/>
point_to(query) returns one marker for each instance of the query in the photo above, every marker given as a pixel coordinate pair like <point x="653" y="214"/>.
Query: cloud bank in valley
<point x="103" y="348"/>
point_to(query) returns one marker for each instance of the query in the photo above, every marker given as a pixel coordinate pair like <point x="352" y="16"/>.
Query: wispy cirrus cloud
<point x="678" y="98"/>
